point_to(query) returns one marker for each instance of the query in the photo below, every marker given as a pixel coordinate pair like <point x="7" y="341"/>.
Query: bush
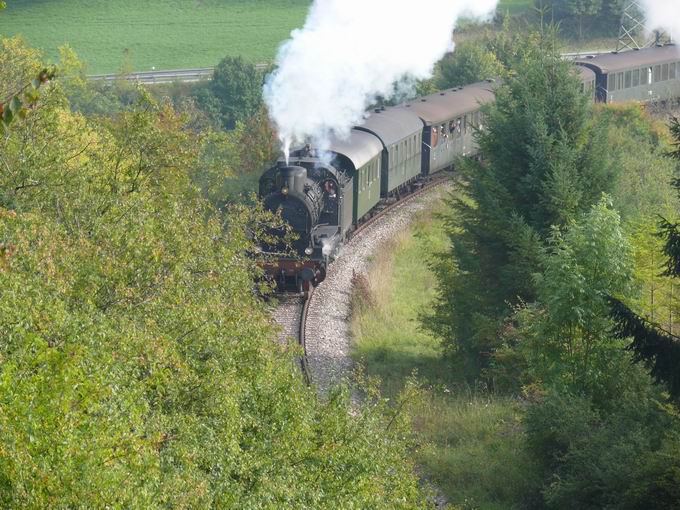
<point x="596" y="457"/>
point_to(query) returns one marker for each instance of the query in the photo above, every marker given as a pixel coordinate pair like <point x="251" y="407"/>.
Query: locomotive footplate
<point x="295" y="274"/>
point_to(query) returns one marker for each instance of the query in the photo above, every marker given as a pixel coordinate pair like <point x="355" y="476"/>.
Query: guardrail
<point x="205" y="73"/>
<point x="159" y="77"/>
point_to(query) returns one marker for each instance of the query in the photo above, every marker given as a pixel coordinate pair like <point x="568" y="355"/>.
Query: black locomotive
<point x="324" y="197"/>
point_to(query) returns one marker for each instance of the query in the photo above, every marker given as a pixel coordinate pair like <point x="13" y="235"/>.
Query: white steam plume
<point x="663" y="14"/>
<point x="351" y="51"/>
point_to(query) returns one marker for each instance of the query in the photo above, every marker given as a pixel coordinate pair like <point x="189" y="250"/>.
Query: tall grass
<point x="472" y="440"/>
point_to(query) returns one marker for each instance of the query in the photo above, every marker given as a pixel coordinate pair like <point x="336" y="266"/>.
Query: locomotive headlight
<point x="284" y="190"/>
<point x="309" y="250"/>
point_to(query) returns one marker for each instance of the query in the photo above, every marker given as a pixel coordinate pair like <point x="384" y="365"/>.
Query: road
<point x="159" y="77"/>
<point x="204" y="73"/>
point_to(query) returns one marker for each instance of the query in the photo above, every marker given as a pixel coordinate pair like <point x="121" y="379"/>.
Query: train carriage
<point x="449" y="117"/>
<point x="636" y="75"/>
<point x="401" y="135"/>
<point x="359" y="158"/>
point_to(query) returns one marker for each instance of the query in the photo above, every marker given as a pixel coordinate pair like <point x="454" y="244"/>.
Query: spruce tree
<point x="541" y="167"/>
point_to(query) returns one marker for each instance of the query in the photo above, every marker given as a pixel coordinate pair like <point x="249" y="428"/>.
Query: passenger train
<point x="324" y="199"/>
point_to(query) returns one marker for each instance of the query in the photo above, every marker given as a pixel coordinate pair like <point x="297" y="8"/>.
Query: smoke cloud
<point x="663" y="14"/>
<point x="351" y="51"/>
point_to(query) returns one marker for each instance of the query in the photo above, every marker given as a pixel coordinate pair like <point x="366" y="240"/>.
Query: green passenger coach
<point x="450" y="118"/>
<point x="401" y="135"/>
<point x="648" y="74"/>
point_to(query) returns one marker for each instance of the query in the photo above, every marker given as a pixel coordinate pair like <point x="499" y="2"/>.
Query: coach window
<point x="627" y="79"/>
<point x="636" y="77"/>
<point x="657" y="74"/>
<point x="671" y="71"/>
<point x="664" y="72"/>
<point x="611" y="82"/>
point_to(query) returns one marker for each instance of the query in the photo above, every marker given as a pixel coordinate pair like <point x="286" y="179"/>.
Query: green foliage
<point x="637" y="147"/>
<point x="155" y="33"/>
<point x="22" y="92"/>
<point x="235" y="92"/>
<point x="594" y="458"/>
<point x="659" y="349"/>
<point x="565" y="334"/>
<point x="542" y="167"/>
<point x="581" y="17"/>
<point x="137" y="368"/>
<point x="469" y="63"/>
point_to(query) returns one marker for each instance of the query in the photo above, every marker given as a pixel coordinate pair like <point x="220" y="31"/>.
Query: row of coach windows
<point x="644" y="76"/>
<point x="455" y="127"/>
<point x="406" y="149"/>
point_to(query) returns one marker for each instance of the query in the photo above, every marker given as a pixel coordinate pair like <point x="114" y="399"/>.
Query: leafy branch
<point x="17" y="103"/>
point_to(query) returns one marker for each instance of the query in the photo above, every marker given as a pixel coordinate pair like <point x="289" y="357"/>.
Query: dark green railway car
<point x="588" y="79"/>
<point x="636" y="75"/>
<point x="360" y="159"/>
<point x="450" y="117"/>
<point x="401" y="135"/>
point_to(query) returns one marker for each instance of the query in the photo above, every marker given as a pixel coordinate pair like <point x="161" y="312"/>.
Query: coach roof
<point x="360" y="148"/>
<point x="613" y="62"/>
<point x="392" y="125"/>
<point x="451" y="103"/>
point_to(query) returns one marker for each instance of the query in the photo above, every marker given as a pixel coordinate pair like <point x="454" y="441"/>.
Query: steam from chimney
<point x="663" y="14"/>
<point x="352" y="51"/>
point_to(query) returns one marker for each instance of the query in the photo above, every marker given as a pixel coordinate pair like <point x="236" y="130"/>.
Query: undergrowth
<point x="471" y="439"/>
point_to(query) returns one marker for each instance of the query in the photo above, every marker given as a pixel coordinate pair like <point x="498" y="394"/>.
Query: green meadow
<point x="162" y="34"/>
<point x="165" y="34"/>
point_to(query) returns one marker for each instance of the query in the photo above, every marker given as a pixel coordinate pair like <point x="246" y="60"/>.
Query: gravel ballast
<point x="328" y="326"/>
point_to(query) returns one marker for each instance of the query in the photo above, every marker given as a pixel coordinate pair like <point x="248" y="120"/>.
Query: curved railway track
<point x="292" y="311"/>
<point x="291" y="316"/>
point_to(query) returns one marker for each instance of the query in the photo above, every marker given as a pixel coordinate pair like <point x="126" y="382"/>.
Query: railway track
<point x="291" y="316"/>
<point x="292" y="311"/>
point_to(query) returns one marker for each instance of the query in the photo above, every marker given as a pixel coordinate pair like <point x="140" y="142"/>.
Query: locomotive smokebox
<point x="292" y="178"/>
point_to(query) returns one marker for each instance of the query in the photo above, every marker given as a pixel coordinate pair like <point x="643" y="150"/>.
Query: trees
<point x="580" y="17"/>
<point x="656" y="347"/>
<point x="235" y="91"/>
<point x="542" y="167"/>
<point x="137" y="367"/>
<point x="469" y="63"/>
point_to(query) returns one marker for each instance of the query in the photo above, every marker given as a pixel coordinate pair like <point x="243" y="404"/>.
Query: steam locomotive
<point x="324" y="197"/>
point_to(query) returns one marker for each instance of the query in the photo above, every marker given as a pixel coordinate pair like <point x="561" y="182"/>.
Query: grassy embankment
<point x="473" y="439"/>
<point x="165" y="34"/>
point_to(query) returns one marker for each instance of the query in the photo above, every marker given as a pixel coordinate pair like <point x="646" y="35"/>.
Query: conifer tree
<point x="542" y="167"/>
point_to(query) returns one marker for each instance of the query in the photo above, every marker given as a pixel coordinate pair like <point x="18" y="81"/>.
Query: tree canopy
<point x="137" y="366"/>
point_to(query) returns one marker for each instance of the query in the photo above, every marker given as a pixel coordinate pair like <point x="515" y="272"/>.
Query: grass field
<point x="472" y="440"/>
<point x="515" y="6"/>
<point x="165" y="34"/>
